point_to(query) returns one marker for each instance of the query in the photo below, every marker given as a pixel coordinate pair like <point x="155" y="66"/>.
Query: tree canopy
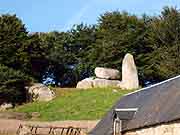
<point x="64" y="58"/>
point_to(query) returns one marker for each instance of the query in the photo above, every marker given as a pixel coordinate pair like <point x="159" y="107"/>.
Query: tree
<point x="118" y="33"/>
<point x="12" y="85"/>
<point x="67" y="57"/>
<point x="13" y="41"/>
<point x="68" y="54"/>
<point x="164" y="36"/>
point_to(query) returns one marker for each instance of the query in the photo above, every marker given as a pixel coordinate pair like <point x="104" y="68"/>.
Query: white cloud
<point x="77" y="17"/>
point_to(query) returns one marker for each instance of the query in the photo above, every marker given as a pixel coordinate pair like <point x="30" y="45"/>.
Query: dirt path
<point x="10" y="126"/>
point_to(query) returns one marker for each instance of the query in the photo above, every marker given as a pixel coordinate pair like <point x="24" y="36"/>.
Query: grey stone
<point x="40" y="92"/>
<point x="129" y="73"/>
<point x="6" y="106"/>
<point x="115" y="91"/>
<point x="85" y="84"/>
<point x="107" y="73"/>
<point x="100" y="83"/>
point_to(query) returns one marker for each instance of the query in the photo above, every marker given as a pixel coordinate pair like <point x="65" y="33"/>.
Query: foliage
<point x="13" y="38"/>
<point x="64" y="58"/>
<point x="68" y="54"/>
<point x="71" y="104"/>
<point x="164" y="37"/>
<point x="12" y="85"/>
<point x="118" y="34"/>
<point x="15" y="63"/>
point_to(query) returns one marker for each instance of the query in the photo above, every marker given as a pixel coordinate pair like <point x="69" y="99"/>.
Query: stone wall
<point x="172" y="128"/>
<point x="9" y="127"/>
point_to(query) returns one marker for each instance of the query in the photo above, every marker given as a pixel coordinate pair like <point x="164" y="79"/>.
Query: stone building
<point x="154" y="110"/>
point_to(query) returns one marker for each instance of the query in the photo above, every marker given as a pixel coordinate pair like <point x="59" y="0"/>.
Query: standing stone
<point x="107" y="73"/>
<point x="129" y="73"/>
<point x="85" y="84"/>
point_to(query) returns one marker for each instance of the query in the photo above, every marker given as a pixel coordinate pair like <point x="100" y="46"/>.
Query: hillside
<point x="75" y="104"/>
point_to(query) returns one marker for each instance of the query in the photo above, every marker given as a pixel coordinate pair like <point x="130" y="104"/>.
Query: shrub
<point x="12" y="85"/>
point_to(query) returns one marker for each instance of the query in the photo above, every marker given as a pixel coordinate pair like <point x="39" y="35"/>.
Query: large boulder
<point x="129" y="73"/>
<point x="107" y="73"/>
<point x="40" y="92"/>
<point x="101" y="83"/>
<point x="85" y="84"/>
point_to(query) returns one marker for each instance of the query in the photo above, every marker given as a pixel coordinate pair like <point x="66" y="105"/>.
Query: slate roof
<point x="156" y="104"/>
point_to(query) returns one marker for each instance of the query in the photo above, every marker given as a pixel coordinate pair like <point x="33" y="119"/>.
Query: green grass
<point x="73" y="104"/>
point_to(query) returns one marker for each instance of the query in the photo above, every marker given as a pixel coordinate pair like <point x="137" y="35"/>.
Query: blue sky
<point x="49" y="15"/>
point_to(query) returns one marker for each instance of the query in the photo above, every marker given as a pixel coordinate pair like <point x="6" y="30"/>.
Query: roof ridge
<point x="154" y="85"/>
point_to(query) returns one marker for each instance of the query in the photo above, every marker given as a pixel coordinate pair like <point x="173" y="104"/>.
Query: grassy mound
<point x="75" y="104"/>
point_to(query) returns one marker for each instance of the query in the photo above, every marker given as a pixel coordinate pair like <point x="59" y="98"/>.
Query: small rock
<point x="6" y="106"/>
<point x="114" y="91"/>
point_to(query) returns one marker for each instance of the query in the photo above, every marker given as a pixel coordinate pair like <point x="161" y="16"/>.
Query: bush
<point x="12" y="85"/>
